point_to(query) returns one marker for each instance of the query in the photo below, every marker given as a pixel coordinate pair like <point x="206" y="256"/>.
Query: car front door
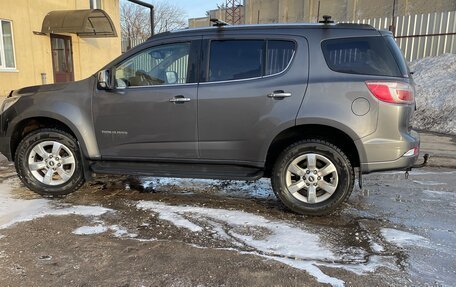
<point x="152" y="112"/>
<point x="253" y="89"/>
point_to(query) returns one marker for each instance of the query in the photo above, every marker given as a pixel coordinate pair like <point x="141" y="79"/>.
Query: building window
<point x="95" y="4"/>
<point x="7" y="60"/>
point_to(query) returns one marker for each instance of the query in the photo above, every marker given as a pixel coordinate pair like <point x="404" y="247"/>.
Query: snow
<point x="402" y="238"/>
<point x="435" y="79"/>
<point x="279" y="240"/>
<point x="89" y="230"/>
<point x="15" y="210"/>
<point x="260" y="189"/>
<point x="100" y="228"/>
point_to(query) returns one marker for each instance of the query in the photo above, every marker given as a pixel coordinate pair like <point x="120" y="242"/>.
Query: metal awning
<point x="90" y="23"/>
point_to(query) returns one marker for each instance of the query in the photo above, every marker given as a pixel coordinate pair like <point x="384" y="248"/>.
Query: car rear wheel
<point x="48" y="162"/>
<point x="312" y="177"/>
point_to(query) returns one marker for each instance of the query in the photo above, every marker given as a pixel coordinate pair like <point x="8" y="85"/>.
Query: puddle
<point x="440" y="194"/>
<point x="428" y="182"/>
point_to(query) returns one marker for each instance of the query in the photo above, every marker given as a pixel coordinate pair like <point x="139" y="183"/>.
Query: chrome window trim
<point x="157" y="86"/>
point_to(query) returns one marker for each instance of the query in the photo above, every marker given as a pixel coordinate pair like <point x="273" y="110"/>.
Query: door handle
<point x="179" y="100"/>
<point x="279" y="95"/>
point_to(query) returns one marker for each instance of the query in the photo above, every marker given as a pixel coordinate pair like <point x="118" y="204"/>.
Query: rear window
<point x="361" y="55"/>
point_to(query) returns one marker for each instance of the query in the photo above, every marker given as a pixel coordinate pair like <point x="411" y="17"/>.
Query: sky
<point x="197" y="8"/>
<point x="194" y="8"/>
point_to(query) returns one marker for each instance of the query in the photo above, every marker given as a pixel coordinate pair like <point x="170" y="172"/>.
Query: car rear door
<point x="251" y="89"/>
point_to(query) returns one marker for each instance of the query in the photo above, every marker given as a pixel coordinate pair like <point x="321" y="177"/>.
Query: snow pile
<point x="435" y="79"/>
<point x="16" y="210"/>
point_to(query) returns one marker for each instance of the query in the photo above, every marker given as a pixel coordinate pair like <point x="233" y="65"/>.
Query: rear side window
<point x="244" y="59"/>
<point x="279" y="56"/>
<point x="362" y="55"/>
<point x="398" y="55"/>
<point x="236" y="59"/>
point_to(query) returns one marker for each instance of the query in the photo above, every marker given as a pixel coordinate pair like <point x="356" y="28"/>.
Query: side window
<point x="279" y="56"/>
<point x="236" y="59"/>
<point x="362" y="55"/>
<point x="160" y="65"/>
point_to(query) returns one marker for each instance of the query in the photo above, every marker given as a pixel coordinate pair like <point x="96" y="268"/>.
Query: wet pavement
<point x="186" y="232"/>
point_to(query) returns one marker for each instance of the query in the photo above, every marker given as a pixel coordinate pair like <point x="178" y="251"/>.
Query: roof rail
<point x="326" y="20"/>
<point x="218" y="23"/>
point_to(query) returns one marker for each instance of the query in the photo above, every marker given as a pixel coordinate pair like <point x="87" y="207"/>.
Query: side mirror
<point x="105" y="80"/>
<point x="171" y="77"/>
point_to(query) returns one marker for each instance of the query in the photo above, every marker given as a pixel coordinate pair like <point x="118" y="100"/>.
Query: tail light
<point x="392" y="92"/>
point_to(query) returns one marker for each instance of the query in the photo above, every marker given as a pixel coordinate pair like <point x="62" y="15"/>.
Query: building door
<point x="62" y="58"/>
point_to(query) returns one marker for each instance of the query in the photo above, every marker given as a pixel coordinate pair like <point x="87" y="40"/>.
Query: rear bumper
<point x="392" y="149"/>
<point x="402" y="163"/>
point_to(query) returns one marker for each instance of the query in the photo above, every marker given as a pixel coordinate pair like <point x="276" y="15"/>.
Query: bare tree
<point x="169" y="17"/>
<point x="135" y="19"/>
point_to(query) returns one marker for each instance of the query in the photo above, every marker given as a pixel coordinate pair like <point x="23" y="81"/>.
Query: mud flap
<point x="85" y="165"/>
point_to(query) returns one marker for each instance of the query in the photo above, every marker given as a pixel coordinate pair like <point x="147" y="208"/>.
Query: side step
<point x="184" y="170"/>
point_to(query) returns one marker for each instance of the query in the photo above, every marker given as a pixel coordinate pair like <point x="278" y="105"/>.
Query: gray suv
<point x="306" y="105"/>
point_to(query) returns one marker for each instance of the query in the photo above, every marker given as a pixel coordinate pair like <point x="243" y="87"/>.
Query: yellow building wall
<point x="33" y="52"/>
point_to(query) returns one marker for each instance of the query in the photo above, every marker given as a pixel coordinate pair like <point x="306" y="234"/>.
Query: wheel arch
<point x="344" y="138"/>
<point x="26" y="125"/>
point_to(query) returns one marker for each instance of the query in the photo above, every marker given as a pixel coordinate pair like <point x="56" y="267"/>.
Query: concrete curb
<point x="441" y="148"/>
<point x="437" y="161"/>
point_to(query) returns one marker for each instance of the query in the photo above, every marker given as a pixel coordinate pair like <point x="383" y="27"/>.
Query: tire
<point x="48" y="162"/>
<point x="301" y="190"/>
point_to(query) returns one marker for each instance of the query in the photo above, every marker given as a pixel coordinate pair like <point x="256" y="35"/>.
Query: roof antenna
<point x="326" y="20"/>
<point x="218" y="23"/>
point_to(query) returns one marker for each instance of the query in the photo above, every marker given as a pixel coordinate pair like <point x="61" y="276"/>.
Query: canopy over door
<point x="90" y="23"/>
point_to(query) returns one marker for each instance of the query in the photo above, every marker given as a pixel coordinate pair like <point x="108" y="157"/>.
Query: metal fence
<point x="421" y="35"/>
<point x="127" y="44"/>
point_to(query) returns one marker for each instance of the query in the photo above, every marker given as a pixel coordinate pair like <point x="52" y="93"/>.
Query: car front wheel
<point x="48" y="162"/>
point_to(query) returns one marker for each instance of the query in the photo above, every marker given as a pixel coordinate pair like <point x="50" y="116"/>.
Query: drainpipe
<point x="151" y="7"/>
